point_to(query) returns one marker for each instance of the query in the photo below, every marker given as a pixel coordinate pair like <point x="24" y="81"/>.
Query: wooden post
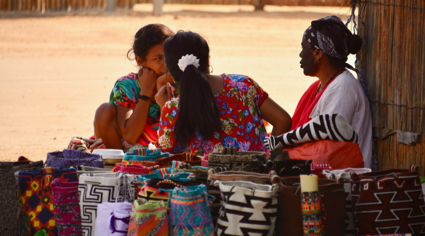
<point x="110" y="5"/>
<point x="157" y="7"/>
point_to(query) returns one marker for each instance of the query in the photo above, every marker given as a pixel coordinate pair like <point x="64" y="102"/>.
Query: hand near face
<point x="164" y="94"/>
<point x="147" y="79"/>
<point x="163" y="80"/>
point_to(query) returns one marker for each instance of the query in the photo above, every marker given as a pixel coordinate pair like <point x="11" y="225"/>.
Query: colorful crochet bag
<point x="144" y="154"/>
<point x="388" y="202"/>
<point x="148" y="218"/>
<point x="189" y="212"/>
<point x="180" y="157"/>
<point x="66" y="207"/>
<point x="71" y="158"/>
<point x="136" y="169"/>
<point x="159" y="189"/>
<point x="247" y="208"/>
<point x="36" y="197"/>
<point x="200" y="172"/>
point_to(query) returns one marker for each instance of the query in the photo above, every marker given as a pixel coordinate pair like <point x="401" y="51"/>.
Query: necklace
<point x="332" y="78"/>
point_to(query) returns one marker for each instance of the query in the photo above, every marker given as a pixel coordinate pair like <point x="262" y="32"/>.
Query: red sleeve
<point x="167" y="121"/>
<point x="261" y="95"/>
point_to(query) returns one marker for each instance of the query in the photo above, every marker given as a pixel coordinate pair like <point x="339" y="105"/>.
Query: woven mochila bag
<point x="234" y="160"/>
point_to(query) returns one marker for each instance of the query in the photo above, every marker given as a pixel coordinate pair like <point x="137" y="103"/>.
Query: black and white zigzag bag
<point x="247" y="208"/>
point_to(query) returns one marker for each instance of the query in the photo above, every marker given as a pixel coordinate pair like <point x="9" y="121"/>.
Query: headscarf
<point x="330" y="35"/>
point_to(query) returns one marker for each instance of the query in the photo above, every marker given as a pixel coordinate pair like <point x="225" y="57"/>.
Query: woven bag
<point x="230" y="176"/>
<point x="71" y="158"/>
<point x="388" y="202"/>
<point x="234" y="160"/>
<point x="9" y="206"/>
<point x="247" y="208"/>
<point x="290" y="216"/>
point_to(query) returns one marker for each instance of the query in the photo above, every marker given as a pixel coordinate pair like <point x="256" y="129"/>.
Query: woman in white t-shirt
<point x="326" y="45"/>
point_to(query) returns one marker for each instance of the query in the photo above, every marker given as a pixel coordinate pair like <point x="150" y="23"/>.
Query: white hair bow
<point x="188" y="60"/>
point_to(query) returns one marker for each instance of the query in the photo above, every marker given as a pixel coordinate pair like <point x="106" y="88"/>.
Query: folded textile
<point x="70" y="158"/>
<point x="85" y="145"/>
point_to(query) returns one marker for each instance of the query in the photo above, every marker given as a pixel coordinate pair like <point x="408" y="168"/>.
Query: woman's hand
<point x="163" y="80"/>
<point x="164" y="94"/>
<point x="147" y="79"/>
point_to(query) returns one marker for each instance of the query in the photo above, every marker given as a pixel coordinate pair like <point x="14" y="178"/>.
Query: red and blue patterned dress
<point x="242" y="124"/>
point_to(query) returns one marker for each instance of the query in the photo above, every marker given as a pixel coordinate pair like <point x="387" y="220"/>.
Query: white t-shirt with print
<point x="346" y="96"/>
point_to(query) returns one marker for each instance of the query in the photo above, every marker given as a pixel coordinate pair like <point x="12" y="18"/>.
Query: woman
<point x="131" y="116"/>
<point x="326" y="45"/>
<point x="212" y="111"/>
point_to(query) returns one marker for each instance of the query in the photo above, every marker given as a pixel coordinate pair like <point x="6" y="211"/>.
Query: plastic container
<point x="110" y="156"/>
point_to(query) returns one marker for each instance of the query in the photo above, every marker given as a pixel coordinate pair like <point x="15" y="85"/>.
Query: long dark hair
<point x="147" y="37"/>
<point x="198" y="111"/>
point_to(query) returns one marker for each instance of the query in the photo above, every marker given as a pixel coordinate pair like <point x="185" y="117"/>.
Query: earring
<point x="316" y="62"/>
<point x="212" y="69"/>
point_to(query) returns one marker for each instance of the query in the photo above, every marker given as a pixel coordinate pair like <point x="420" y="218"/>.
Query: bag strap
<point x="230" y="150"/>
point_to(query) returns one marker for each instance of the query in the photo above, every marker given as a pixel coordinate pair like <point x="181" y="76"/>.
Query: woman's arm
<point x="276" y="116"/>
<point x="132" y="122"/>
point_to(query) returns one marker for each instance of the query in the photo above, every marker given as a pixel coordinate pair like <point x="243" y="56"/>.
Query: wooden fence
<point x="392" y="62"/>
<point x="51" y="5"/>
<point x="73" y="5"/>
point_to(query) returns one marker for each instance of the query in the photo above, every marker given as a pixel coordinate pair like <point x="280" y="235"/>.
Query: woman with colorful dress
<point x="212" y="111"/>
<point x="132" y="115"/>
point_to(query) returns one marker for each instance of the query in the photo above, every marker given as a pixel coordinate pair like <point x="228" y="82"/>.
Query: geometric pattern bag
<point x="148" y="218"/>
<point x="247" y="208"/>
<point x="99" y="188"/>
<point x="388" y="202"/>
<point x="36" y="197"/>
<point x="9" y="206"/>
<point x="67" y="207"/>
<point x="214" y="190"/>
<point x="189" y="213"/>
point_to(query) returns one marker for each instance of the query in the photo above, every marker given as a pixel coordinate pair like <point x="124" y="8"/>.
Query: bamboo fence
<point x="392" y="62"/>
<point x="51" y="5"/>
<point x="72" y="5"/>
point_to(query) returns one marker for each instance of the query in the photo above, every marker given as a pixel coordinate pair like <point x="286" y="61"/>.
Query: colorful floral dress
<point x="124" y="93"/>
<point x="242" y="125"/>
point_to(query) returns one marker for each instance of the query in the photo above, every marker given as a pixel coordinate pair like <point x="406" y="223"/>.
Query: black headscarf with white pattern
<point x="330" y="35"/>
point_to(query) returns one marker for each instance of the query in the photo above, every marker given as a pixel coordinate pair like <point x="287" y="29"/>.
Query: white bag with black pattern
<point x="97" y="188"/>
<point x="247" y="208"/>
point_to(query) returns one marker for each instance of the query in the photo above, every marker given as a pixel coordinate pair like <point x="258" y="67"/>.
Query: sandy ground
<point x="56" y="69"/>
